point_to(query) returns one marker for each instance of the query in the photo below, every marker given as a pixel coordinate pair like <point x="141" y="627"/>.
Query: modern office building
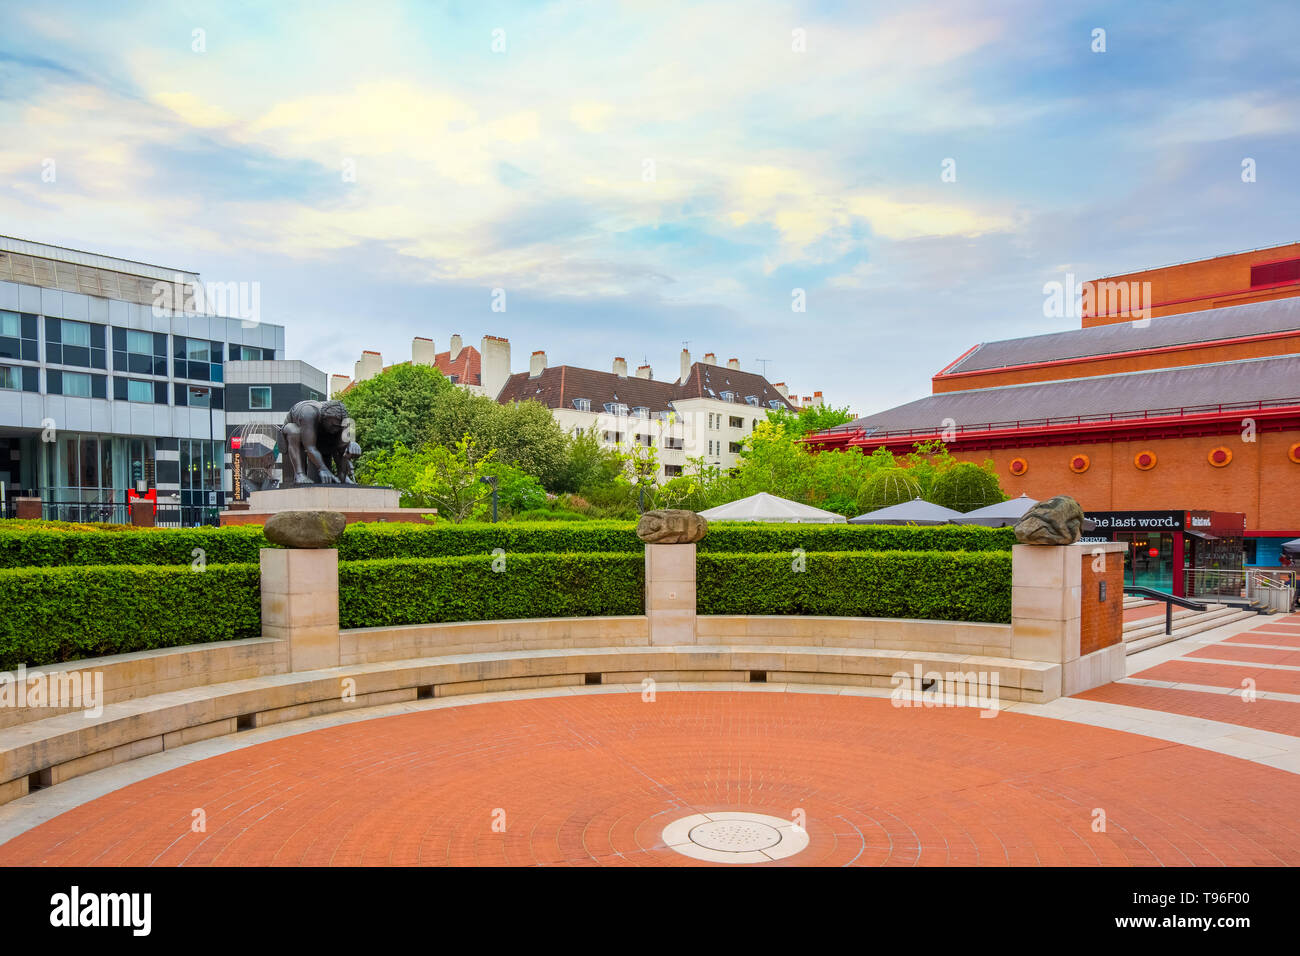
<point x="1188" y="413"/>
<point x="113" y="377"/>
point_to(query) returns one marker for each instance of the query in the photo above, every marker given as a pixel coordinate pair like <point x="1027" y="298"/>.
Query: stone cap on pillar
<point x="671" y="526"/>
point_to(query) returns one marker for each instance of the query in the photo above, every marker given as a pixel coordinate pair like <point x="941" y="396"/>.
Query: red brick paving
<point x="1254" y="655"/>
<point x="593" y="779"/>
<point x="1261" y="636"/>
<point x="1278" y="716"/>
<point x="1188" y="671"/>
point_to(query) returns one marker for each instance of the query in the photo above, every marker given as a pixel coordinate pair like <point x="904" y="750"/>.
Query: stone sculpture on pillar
<point x="1057" y="520"/>
<point x="670" y="537"/>
<point x="318" y="445"/>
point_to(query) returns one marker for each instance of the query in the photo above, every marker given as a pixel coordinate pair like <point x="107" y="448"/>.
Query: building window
<point x="640" y="411"/>
<point x="646" y="441"/>
<point x="612" y="438"/>
<point x="75" y="343"/>
<point x="197" y="350"/>
<point x="674" y="443"/>
<point x="76" y="384"/>
<point x="728" y="396"/>
<point x="736" y="422"/>
<point x="259" y="397"/>
<point x="582" y="404"/>
<point x="197" y="358"/>
<point x="11" y="377"/>
<point x="775" y="404"/>
<point x="248" y="353"/>
<point x="141" y="353"/>
<point x="138" y="390"/>
<point x="672" y="471"/>
<point x="199" y="397"/>
<point x="18" y="336"/>
<point x="616" y="408"/>
<point x="735" y="448"/>
<point x="751" y="400"/>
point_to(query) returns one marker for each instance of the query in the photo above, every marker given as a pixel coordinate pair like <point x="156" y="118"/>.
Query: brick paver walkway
<point x="593" y="779"/>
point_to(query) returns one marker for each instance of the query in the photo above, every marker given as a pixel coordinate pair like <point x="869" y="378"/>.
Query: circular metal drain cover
<point x="735" y="836"/>
<point x="728" y="836"/>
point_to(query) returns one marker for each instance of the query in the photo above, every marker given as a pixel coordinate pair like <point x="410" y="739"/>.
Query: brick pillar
<point x="300" y="604"/>
<point x="143" y="514"/>
<point x="670" y="592"/>
<point x="28" y="509"/>
<point x="1047" y="596"/>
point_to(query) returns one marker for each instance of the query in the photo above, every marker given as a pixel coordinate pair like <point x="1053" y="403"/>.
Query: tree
<point x="814" y="418"/>
<point x="887" y="487"/>
<point x="966" y="486"/>
<point x="525" y="436"/>
<point x="397" y="407"/>
<point x="434" y="477"/>
<point x="587" y="463"/>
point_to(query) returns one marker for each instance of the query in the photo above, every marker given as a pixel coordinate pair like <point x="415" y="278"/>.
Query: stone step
<point x="1206" y="622"/>
<point x="1180" y="614"/>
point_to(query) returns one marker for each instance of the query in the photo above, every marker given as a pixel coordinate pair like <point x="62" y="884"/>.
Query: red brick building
<point x="1197" y="408"/>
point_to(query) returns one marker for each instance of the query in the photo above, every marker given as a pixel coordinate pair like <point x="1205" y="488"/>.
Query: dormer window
<point x="641" y="411"/>
<point x="615" y="408"/>
<point x="751" y="400"/>
<point x="582" y="404"/>
<point x="728" y="396"/>
<point x="775" y="404"/>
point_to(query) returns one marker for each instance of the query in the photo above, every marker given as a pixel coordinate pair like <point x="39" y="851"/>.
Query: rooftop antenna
<point x="764" y="363"/>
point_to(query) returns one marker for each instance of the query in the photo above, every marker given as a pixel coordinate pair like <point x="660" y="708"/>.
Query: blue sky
<point x="774" y="169"/>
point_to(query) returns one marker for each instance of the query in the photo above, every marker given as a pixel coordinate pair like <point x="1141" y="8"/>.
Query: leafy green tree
<point x="966" y="486"/>
<point x="815" y="418"/>
<point x="433" y="477"/>
<point x="887" y="487"/>
<point x="398" y="407"/>
<point x="587" y="463"/>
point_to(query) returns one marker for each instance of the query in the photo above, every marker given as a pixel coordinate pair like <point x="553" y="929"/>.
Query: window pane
<point x="76" y="333"/>
<point x="259" y="397"/>
<point x="200" y="397"/>
<point x="247" y="353"/>
<point x="70" y="462"/>
<point x="138" y="391"/>
<point x="196" y="350"/>
<point x="76" y="384"/>
<point x="10" y="377"/>
<point x="9" y="324"/>
<point x="141" y="342"/>
<point x="89" y="463"/>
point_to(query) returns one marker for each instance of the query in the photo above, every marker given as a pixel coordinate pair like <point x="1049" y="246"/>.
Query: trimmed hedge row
<point x="932" y="585"/>
<point x="48" y="615"/>
<point x="393" y="591"/>
<point x="28" y="547"/>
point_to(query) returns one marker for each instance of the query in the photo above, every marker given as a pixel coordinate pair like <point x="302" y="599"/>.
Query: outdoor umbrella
<point x="916" y="511"/>
<point x="1292" y="546"/>
<point x="765" y="507"/>
<point x="1000" y="515"/>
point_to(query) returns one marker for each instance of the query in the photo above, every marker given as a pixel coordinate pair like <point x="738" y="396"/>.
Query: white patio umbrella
<point x="1000" y="515"/>
<point x="1292" y="546"/>
<point x="765" y="507"/>
<point x="916" y="511"/>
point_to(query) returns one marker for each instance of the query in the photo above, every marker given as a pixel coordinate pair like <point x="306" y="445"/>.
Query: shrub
<point x="887" y="487"/>
<point x="432" y="590"/>
<point x="965" y="487"/>
<point x="49" y="545"/>
<point x="739" y="537"/>
<point x="946" y="586"/>
<point x="65" y="614"/>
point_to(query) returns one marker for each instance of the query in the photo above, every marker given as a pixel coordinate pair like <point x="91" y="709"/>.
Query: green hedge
<point x="41" y="547"/>
<point x="49" y="615"/>
<point x="431" y="590"/>
<point x="945" y="586"/>
<point x="28" y="547"/>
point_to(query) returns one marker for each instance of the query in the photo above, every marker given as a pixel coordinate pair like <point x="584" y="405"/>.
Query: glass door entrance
<point x="1149" y="561"/>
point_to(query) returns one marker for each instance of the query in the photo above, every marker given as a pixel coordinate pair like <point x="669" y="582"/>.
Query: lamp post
<point x="491" y="481"/>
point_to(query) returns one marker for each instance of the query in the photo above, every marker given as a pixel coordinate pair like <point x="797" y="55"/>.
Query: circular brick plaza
<point x="596" y="778"/>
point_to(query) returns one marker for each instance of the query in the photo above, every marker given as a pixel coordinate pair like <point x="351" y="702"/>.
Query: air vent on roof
<point x="1270" y="273"/>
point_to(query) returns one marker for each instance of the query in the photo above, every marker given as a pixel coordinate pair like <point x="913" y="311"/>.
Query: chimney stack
<point x="710" y="358"/>
<point x="686" y="366"/>
<point x="644" y="371"/>
<point x="495" y="354"/>
<point x="455" y="347"/>
<point x="620" y="366"/>
<point x="818" y="400"/>
<point x="537" y="364"/>
<point x="338" y="383"/>
<point x="422" y="351"/>
<point x="781" y="389"/>
<point x="734" y="363"/>
<point x="368" y="366"/>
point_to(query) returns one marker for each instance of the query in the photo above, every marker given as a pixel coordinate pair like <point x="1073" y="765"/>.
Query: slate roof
<point x="559" y="385"/>
<point x="1250" y="380"/>
<point x="1254" y="318"/>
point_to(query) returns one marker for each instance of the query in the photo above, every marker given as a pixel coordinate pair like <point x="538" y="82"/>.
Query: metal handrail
<point x="1169" y="599"/>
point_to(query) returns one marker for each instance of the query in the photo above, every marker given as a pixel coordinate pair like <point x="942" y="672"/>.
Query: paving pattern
<point x="595" y="779"/>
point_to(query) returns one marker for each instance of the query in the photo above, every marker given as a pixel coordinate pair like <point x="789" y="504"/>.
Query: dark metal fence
<point x="117" y="512"/>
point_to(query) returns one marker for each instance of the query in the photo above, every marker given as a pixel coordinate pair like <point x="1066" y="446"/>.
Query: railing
<point x="1182" y="411"/>
<point x="1274" y="589"/>
<point x="1170" y="601"/>
<point x="117" y="512"/>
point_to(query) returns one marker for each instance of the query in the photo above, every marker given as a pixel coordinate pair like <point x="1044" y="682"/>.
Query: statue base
<point x="355" y="502"/>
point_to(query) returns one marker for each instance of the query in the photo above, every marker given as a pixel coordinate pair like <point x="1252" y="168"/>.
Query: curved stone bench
<point x="47" y="751"/>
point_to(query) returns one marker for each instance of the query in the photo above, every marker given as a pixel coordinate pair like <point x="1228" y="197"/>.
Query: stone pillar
<point x="28" y="509"/>
<point x="670" y="592"/>
<point x="1047" y="596"/>
<point x="300" y="604"/>
<point x="143" y="514"/>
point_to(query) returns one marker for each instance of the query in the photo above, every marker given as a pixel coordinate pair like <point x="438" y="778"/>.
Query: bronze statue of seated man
<point x="316" y="436"/>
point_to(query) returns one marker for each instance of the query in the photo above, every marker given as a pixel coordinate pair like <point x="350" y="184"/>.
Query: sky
<point x="639" y="175"/>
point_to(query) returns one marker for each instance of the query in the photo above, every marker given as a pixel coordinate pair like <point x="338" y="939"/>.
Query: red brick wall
<point x="1101" y="622"/>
